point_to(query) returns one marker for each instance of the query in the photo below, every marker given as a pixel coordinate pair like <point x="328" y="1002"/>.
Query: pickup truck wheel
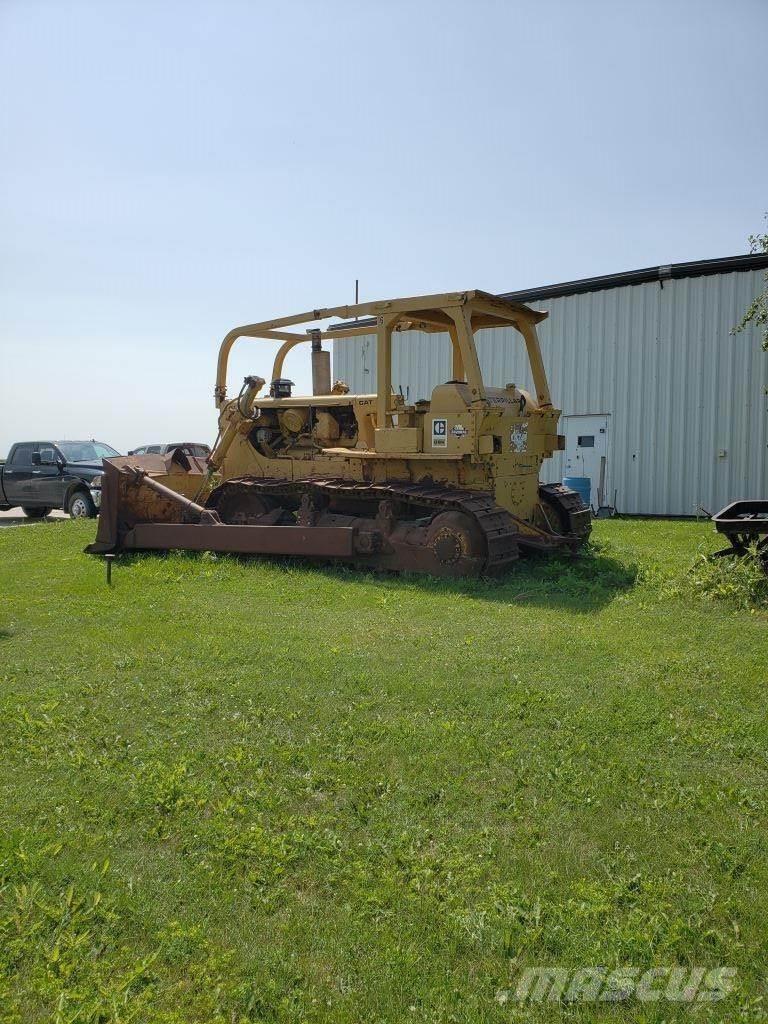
<point x="35" y="513"/>
<point x="80" y="506"/>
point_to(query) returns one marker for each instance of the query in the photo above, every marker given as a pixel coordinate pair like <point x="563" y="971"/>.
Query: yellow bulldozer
<point x="447" y="486"/>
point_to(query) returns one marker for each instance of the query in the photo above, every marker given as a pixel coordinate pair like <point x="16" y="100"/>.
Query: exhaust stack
<point x="321" y="366"/>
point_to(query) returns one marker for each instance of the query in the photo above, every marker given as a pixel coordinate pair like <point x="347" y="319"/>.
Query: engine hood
<point x="86" y="468"/>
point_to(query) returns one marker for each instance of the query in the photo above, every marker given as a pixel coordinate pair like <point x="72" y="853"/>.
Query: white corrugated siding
<point x="661" y="361"/>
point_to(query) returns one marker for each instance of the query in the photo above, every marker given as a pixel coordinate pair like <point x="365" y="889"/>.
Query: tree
<point x="757" y="311"/>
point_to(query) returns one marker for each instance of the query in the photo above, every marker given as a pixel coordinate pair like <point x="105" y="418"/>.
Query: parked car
<point x="193" y="448"/>
<point x="43" y="475"/>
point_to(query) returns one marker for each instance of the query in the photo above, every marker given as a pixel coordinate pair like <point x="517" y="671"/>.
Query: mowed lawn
<point x="252" y="791"/>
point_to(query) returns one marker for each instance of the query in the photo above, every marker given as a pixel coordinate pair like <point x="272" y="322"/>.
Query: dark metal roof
<point x="670" y="271"/>
<point x="666" y="272"/>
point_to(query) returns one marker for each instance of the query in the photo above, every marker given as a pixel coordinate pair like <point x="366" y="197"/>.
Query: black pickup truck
<point x="43" y="475"/>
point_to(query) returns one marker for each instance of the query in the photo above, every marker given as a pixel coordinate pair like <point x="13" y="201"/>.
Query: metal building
<point x="656" y="393"/>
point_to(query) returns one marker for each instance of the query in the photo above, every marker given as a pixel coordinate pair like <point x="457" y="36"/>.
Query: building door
<point x="586" y="453"/>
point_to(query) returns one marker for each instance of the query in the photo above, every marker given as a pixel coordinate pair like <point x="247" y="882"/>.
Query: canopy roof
<point x="431" y="313"/>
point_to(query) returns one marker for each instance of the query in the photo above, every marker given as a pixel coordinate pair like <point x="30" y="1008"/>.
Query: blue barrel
<point x="581" y="484"/>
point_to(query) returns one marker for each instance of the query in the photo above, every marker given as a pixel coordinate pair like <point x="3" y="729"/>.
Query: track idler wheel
<point x="456" y="544"/>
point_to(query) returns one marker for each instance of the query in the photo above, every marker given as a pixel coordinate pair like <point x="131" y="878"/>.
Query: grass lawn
<point x="251" y="791"/>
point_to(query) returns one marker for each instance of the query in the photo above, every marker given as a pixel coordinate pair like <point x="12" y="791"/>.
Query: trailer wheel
<point x="80" y="506"/>
<point x="35" y="513"/>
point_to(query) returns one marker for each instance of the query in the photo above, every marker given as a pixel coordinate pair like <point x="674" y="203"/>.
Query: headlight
<point x="95" y="483"/>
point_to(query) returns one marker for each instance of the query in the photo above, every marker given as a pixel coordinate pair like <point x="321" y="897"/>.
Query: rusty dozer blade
<point x="139" y="511"/>
<point x="146" y="489"/>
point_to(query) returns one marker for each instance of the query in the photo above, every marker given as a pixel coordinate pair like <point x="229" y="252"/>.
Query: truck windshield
<point x="198" y="450"/>
<point x="86" y="451"/>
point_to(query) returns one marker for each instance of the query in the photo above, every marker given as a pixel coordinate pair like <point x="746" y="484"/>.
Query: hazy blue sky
<point x="171" y="169"/>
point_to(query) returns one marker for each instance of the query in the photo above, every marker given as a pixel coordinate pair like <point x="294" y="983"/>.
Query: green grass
<point x="251" y="791"/>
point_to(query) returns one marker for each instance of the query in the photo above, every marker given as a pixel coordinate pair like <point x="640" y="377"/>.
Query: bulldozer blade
<point x="125" y="503"/>
<point x="147" y="504"/>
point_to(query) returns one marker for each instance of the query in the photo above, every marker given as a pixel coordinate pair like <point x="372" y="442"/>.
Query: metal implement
<point x="447" y="485"/>
<point x="745" y="524"/>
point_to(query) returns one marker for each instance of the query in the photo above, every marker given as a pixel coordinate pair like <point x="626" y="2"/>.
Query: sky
<point x="170" y="169"/>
